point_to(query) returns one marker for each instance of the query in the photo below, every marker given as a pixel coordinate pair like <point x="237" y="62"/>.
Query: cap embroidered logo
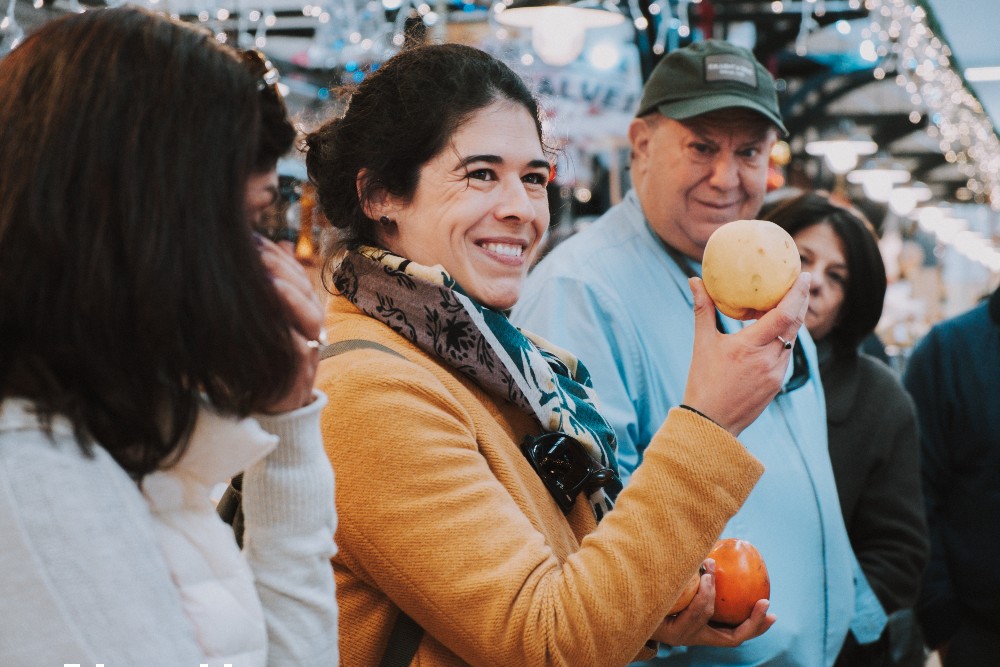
<point x="730" y="68"/>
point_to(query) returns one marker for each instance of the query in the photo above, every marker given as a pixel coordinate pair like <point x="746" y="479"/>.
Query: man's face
<point x="693" y="176"/>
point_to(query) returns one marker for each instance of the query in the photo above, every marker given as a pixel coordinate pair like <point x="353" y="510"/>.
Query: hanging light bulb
<point x="605" y="56"/>
<point x="842" y="149"/>
<point x="557" y="44"/>
<point x="557" y="28"/>
<point x="904" y="200"/>
<point x="878" y="176"/>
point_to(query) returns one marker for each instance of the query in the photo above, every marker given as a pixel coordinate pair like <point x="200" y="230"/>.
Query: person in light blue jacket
<point x="618" y="294"/>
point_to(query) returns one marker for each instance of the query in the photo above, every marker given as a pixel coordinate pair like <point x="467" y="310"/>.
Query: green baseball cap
<point x="710" y="75"/>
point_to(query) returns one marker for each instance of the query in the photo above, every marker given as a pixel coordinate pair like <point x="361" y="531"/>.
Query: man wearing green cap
<point x="617" y="294"/>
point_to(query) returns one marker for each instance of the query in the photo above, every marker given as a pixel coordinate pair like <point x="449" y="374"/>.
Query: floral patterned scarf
<point x="426" y="306"/>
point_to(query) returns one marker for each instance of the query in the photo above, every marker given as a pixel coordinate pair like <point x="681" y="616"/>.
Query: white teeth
<point x="504" y="249"/>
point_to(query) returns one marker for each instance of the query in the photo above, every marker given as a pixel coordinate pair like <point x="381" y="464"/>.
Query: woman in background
<point x="871" y="420"/>
<point x="152" y="348"/>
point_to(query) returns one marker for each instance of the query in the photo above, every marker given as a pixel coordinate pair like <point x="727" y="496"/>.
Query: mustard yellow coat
<point x="440" y="515"/>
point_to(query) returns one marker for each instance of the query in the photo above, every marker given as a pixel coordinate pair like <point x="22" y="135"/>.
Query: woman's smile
<point x="504" y="249"/>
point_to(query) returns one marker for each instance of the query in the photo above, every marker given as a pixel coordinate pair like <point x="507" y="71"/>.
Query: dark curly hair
<point x="396" y="121"/>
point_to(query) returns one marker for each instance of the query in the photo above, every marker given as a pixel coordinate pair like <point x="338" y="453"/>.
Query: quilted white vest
<point x="216" y="584"/>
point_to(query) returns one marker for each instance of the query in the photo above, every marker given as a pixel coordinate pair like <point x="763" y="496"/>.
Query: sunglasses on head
<point x="565" y="467"/>
<point x="262" y="68"/>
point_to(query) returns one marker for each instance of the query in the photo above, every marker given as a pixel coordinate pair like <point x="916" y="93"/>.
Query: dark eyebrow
<point x="496" y="159"/>
<point x="702" y="136"/>
<point x="702" y="131"/>
<point x="838" y="265"/>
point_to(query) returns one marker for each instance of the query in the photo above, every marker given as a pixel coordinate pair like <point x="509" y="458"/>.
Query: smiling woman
<point x="472" y="458"/>
<point x="480" y="207"/>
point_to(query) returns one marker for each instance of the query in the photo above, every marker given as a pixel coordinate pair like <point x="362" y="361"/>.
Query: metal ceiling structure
<point x="823" y="81"/>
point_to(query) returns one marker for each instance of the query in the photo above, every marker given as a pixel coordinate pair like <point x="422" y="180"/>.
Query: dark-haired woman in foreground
<point x="151" y="348"/>
<point x="475" y="471"/>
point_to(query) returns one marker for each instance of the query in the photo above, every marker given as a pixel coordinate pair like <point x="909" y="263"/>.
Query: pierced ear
<point x="375" y="200"/>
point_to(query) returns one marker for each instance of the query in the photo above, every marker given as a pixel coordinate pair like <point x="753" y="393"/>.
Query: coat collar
<point x="222" y="446"/>
<point x="841" y="381"/>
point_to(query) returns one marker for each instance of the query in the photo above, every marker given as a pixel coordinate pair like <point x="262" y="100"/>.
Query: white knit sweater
<point x="92" y="572"/>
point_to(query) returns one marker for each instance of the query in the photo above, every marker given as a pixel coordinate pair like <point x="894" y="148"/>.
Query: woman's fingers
<point x="305" y="313"/>
<point x="759" y="622"/>
<point x="704" y="309"/>
<point x="300" y="392"/>
<point x="686" y="627"/>
<point x="692" y="626"/>
<point x="295" y="288"/>
<point x="280" y="262"/>
<point x="786" y="318"/>
<point x="304" y="307"/>
<point x="733" y="377"/>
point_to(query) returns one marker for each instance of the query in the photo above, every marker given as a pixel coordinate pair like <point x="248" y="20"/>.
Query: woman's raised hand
<point x="295" y="288"/>
<point x="734" y="376"/>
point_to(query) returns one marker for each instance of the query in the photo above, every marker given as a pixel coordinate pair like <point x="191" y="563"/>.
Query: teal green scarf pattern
<point x="427" y="306"/>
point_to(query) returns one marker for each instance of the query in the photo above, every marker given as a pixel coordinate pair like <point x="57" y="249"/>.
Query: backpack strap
<point x="406" y="633"/>
<point x="403" y="642"/>
<point x="230" y="507"/>
<point x="342" y="346"/>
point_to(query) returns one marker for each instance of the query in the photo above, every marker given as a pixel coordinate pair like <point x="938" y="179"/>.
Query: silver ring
<point x="322" y="336"/>
<point x="786" y="343"/>
<point x="313" y="344"/>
